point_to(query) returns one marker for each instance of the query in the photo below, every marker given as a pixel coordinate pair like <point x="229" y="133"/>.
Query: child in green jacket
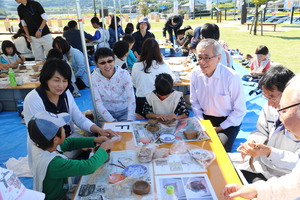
<point x="51" y="168"/>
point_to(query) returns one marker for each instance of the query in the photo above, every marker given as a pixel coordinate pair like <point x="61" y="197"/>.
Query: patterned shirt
<point x="114" y="94"/>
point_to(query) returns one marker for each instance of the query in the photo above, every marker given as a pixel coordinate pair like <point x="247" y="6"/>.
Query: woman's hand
<point x="109" y="133"/>
<point x="101" y="132"/>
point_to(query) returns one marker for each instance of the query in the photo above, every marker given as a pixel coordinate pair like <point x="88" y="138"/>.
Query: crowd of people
<point x="131" y="81"/>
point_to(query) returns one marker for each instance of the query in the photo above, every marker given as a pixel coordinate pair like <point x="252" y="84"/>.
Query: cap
<point x="170" y="189"/>
<point x="12" y="188"/>
<point x="48" y="123"/>
<point x="143" y="20"/>
<point x="187" y="27"/>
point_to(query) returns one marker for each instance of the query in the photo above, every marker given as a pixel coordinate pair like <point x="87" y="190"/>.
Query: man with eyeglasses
<point x="287" y="186"/>
<point x="217" y="93"/>
<point x="270" y="150"/>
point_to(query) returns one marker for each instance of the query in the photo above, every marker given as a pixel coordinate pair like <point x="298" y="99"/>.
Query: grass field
<point x="284" y="44"/>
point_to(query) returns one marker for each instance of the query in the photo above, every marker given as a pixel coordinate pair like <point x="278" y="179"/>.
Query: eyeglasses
<point x="293" y="105"/>
<point x="206" y="58"/>
<point x="269" y="99"/>
<point x="104" y="62"/>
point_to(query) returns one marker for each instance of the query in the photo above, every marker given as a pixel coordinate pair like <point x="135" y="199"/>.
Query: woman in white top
<point x="145" y="71"/>
<point x="53" y="96"/>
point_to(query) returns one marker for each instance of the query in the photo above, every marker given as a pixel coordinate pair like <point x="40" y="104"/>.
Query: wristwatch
<point x="40" y="30"/>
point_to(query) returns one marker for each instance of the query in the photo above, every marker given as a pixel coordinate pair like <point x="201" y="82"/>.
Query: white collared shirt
<point x="220" y="95"/>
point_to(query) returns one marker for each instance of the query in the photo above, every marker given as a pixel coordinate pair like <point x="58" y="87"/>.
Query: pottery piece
<point x="114" y="178"/>
<point x="190" y="134"/>
<point x="153" y="126"/>
<point x="22" y="67"/>
<point x="145" y="140"/>
<point x="167" y="138"/>
<point x="141" y="187"/>
<point x="135" y="170"/>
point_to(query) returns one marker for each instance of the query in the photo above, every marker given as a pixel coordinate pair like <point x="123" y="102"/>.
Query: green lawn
<point x="284" y="44"/>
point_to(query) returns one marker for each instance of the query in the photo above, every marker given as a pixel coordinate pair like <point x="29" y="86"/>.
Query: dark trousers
<point x="140" y="101"/>
<point x="252" y="177"/>
<point x="80" y="84"/>
<point x="228" y="135"/>
<point x="170" y="31"/>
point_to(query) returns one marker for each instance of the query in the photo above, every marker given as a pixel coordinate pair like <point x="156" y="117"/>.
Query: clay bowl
<point x="22" y="67"/>
<point x="141" y="187"/>
<point x="190" y="134"/>
<point x="153" y="123"/>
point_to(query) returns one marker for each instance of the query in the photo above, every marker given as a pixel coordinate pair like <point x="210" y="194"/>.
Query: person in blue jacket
<point x="112" y="31"/>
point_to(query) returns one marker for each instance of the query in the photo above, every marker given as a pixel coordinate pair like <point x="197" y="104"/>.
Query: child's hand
<point x="22" y="59"/>
<point x="162" y="117"/>
<point x="100" y="140"/>
<point x="172" y="116"/>
<point x="107" y="146"/>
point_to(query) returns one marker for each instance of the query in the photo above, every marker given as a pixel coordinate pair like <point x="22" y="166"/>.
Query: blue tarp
<point x="13" y="133"/>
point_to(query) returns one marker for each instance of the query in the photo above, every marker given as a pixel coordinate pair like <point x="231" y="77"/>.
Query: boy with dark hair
<point x="131" y="59"/>
<point x="165" y="103"/>
<point x="50" y="167"/>
<point x="121" y="50"/>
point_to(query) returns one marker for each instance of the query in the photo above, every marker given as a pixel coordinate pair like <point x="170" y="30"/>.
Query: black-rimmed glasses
<point x="293" y="105"/>
<point x="206" y="58"/>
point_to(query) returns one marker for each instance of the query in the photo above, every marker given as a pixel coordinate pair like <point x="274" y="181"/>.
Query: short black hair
<point x="262" y="49"/>
<point x="163" y="84"/>
<point x="276" y="78"/>
<point x="210" y="30"/>
<point x="176" y="19"/>
<point x="128" y="38"/>
<point x="54" y="53"/>
<point x="66" y="28"/>
<point x="62" y="44"/>
<point x="95" y="20"/>
<point x="120" y="48"/>
<point x="50" y="67"/>
<point x="38" y="138"/>
<point x="103" y="53"/>
<point x="128" y="30"/>
<point x="130" y="25"/>
<point x="72" y="24"/>
<point x="7" y="44"/>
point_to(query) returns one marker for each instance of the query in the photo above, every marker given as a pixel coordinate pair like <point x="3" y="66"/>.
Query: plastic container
<point x="12" y="77"/>
<point x="170" y="193"/>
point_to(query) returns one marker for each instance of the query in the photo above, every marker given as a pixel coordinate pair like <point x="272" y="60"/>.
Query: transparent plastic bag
<point x="146" y="153"/>
<point x="202" y="156"/>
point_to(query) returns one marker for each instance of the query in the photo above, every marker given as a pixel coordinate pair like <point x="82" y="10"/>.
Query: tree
<point x="257" y="4"/>
<point x="143" y="7"/>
